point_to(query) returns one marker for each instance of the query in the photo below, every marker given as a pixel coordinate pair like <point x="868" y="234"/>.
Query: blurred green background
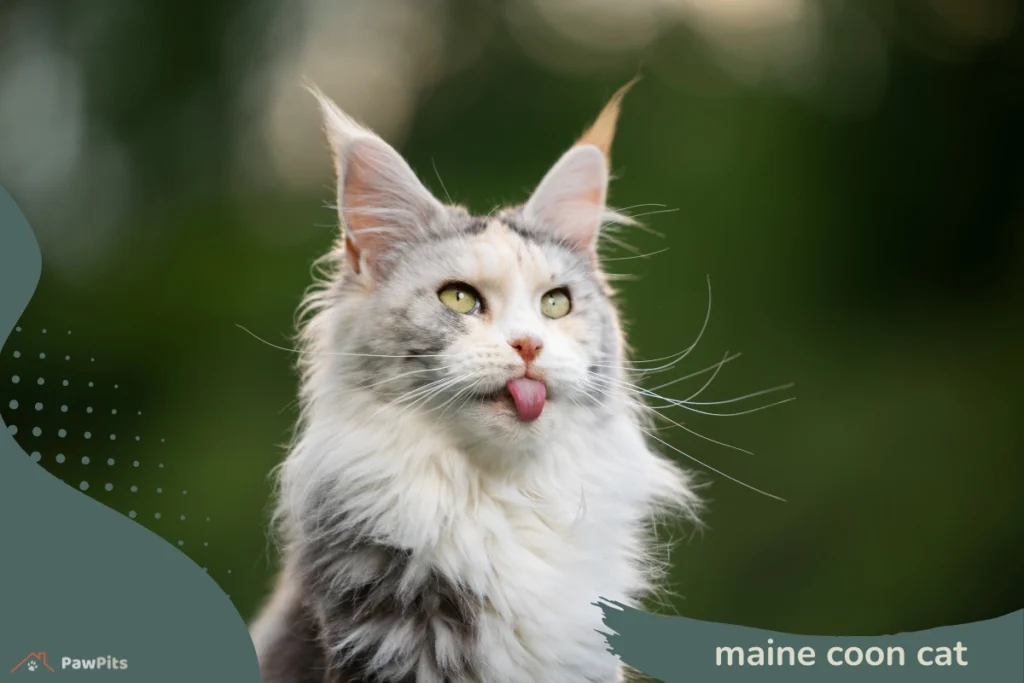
<point x="849" y="175"/>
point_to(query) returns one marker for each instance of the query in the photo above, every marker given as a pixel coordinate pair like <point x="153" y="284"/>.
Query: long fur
<point x="426" y="536"/>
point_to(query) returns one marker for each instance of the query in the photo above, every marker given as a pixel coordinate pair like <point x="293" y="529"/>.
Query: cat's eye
<point x="460" y="297"/>
<point x="556" y="304"/>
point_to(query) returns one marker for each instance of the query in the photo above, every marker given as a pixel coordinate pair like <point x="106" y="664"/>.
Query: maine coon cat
<point x="470" y="474"/>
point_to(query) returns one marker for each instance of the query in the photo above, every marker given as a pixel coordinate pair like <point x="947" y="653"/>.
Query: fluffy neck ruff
<point x="421" y="554"/>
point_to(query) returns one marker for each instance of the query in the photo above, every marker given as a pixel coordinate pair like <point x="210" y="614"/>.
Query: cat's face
<point x="489" y="325"/>
<point x="496" y="325"/>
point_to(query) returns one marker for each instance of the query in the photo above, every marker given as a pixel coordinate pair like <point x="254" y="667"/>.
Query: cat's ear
<point x="570" y="200"/>
<point x="381" y="202"/>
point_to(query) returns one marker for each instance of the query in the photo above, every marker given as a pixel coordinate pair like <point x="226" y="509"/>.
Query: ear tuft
<point x="340" y="128"/>
<point x="570" y="200"/>
<point x="381" y="202"/>
<point x="602" y="132"/>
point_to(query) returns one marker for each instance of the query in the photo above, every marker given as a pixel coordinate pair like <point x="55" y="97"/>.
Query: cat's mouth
<point x="524" y="396"/>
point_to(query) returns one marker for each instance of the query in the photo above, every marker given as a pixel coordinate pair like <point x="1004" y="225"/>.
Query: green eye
<point x="556" y="304"/>
<point x="460" y="297"/>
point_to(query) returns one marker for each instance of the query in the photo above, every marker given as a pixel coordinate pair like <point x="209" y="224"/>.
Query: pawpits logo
<point x="33" y="662"/>
<point x="37" y="661"/>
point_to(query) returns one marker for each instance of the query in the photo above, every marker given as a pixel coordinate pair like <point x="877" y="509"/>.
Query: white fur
<point x="539" y="521"/>
<point x="560" y="525"/>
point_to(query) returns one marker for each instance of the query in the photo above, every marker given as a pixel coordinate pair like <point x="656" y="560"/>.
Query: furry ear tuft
<point x="602" y="132"/>
<point x="570" y="200"/>
<point x="381" y="202"/>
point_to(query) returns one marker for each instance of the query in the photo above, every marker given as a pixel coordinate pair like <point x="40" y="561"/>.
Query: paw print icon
<point x="35" y="661"/>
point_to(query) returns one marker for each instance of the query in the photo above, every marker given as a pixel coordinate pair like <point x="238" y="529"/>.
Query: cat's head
<point x="498" y="325"/>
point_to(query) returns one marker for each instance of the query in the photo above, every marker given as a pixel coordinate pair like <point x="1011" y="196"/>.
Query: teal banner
<point x="678" y="650"/>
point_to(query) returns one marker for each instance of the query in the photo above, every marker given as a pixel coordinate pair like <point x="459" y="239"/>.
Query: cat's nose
<point x="528" y="347"/>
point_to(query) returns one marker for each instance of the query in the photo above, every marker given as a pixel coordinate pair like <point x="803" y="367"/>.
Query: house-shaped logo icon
<point x="34" y="662"/>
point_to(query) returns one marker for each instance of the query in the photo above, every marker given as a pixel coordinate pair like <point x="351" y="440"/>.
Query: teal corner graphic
<point x="83" y="589"/>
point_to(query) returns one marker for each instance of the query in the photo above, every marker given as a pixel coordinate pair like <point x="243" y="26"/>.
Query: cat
<point x="470" y="473"/>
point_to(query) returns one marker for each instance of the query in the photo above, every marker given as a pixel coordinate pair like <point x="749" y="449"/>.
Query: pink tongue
<point x="529" y="396"/>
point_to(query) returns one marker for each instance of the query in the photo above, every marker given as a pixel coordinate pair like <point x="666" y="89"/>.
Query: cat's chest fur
<point x="522" y="560"/>
<point x="538" y="569"/>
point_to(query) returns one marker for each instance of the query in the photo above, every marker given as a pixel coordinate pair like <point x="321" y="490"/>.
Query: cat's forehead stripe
<point x="498" y="250"/>
<point x="478" y="225"/>
<point x="514" y="225"/>
<point x="475" y="226"/>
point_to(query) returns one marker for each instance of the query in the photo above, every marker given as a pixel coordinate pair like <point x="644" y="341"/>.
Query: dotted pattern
<point x="63" y="400"/>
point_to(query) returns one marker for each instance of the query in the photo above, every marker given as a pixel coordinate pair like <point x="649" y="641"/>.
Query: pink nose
<point x="527" y="347"/>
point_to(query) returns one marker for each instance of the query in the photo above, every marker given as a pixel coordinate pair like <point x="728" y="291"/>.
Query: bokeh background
<point x="848" y="174"/>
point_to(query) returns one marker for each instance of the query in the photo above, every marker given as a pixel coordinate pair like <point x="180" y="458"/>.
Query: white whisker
<point x="467" y="391"/>
<point x="650" y="213"/>
<point x="627" y="258"/>
<point x="448" y="196"/>
<point x="741" y="483"/>
<point x="742" y="412"/>
<point x="358" y="355"/>
<point x="762" y="392"/>
<point x="619" y="243"/>
<point x="710" y="380"/>
<point x="624" y="209"/>
<point x="706" y="438"/>
<point x="676" y="357"/>
<point x="683" y="404"/>
<point x="698" y="372"/>
<point x="406" y="374"/>
<point x="426" y="397"/>
<point x="424" y="391"/>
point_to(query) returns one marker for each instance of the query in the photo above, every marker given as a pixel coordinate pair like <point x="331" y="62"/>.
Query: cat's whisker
<point x="423" y="398"/>
<point x="650" y="213"/>
<point x="450" y="401"/>
<point x="702" y="436"/>
<point x="630" y="393"/>
<point x="621" y="277"/>
<point x="426" y="398"/>
<point x="338" y="353"/>
<point x="468" y="398"/>
<point x="468" y="391"/>
<point x="583" y="390"/>
<point x="618" y="227"/>
<point x="406" y="374"/>
<point x="700" y="334"/>
<point x="374" y="385"/>
<point x="628" y="258"/>
<point x="425" y="390"/>
<point x="646" y="228"/>
<point x="425" y="401"/>
<point x="716" y="471"/>
<point x="698" y="372"/>
<point x="619" y="243"/>
<point x="736" y="414"/>
<point x="447" y="196"/>
<point x="624" y="209"/>
<point x="676" y="357"/>
<point x="710" y="380"/>
<point x="762" y="392"/>
<point x="681" y="404"/>
<point x="429" y="389"/>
